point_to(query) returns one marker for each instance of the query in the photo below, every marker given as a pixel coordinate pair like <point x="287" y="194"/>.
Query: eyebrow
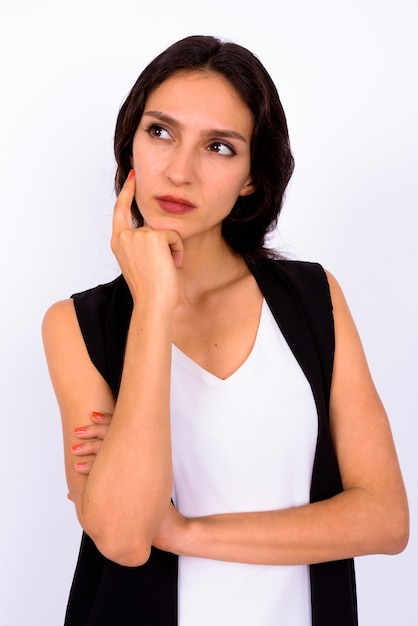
<point x="222" y="133"/>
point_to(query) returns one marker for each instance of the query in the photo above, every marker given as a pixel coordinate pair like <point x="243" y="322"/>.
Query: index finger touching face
<point x="122" y="216"/>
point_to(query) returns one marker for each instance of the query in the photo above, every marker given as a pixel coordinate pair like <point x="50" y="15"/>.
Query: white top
<point x="246" y="443"/>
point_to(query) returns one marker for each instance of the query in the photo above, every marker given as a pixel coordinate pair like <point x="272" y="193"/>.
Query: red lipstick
<point x="171" y="204"/>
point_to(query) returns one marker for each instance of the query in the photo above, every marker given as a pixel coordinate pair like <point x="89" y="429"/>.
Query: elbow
<point x="125" y="553"/>
<point x="132" y="557"/>
<point x="117" y="544"/>
<point x="396" y="535"/>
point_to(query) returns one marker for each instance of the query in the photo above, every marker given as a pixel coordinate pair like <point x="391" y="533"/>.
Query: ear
<point x="248" y="187"/>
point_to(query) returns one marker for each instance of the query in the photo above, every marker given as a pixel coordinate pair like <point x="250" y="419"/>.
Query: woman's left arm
<point x="369" y="516"/>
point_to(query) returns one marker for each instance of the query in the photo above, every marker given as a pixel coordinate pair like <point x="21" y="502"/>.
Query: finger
<point x="88" y="448"/>
<point x="83" y="468"/>
<point x="176" y="246"/>
<point x="122" y="217"/>
<point x="101" y="418"/>
<point x="177" y="258"/>
<point x="95" y="431"/>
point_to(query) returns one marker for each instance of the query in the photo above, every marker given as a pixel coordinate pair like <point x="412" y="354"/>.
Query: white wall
<point x="346" y="71"/>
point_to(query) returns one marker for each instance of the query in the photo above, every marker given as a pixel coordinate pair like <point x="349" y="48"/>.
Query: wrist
<point x="189" y="537"/>
<point x="153" y="312"/>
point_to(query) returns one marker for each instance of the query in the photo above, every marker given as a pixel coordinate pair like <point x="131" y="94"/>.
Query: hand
<point x="170" y="537"/>
<point x="91" y="438"/>
<point x="148" y="258"/>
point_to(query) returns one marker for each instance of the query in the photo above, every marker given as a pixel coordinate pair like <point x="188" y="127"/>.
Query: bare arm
<point x="369" y="516"/>
<point x="124" y="498"/>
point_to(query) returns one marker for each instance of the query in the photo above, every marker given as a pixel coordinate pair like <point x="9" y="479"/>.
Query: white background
<point x="347" y="75"/>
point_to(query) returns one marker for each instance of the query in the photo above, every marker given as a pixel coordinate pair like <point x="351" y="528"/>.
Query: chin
<point x="163" y="223"/>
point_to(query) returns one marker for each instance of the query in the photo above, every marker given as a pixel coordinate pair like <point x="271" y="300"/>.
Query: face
<point x="191" y="154"/>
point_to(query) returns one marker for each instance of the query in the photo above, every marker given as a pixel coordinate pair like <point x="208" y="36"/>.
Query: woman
<point x="226" y="450"/>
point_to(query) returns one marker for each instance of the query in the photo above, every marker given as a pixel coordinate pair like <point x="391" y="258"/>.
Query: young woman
<point x="226" y="450"/>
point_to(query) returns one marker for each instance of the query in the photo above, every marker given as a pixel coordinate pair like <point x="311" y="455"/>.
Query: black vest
<point x="104" y="593"/>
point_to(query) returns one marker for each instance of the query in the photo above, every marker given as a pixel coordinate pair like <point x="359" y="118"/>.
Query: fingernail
<point x="79" y="465"/>
<point x="76" y="447"/>
<point x="131" y="174"/>
<point x="96" y="415"/>
<point x="79" y="431"/>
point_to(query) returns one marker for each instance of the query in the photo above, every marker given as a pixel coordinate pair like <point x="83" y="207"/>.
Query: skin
<point x="189" y="288"/>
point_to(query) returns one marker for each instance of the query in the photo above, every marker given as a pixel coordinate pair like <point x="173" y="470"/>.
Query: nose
<point x="181" y="166"/>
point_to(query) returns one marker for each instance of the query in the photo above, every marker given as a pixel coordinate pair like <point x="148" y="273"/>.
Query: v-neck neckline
<point x="197" y="370"/>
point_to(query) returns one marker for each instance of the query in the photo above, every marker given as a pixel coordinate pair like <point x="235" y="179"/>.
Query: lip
<point x="172" y="204"/>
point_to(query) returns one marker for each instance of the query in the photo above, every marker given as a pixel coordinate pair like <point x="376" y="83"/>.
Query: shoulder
<point x="63" y="314"/>
<point x="103" y="309"/>
<point x="62" y="339"/>
<point x="83" y="316"/>
<point x="102" y="295"/>
<point x="341" y="311"/>
<point x="305" y="281"/>
<point x="102" y="317"/>
<point x="319" y="284"/>
<point x="297" y="272"/>
<point x="296" y="267"/>
<point x="58" y="318"/>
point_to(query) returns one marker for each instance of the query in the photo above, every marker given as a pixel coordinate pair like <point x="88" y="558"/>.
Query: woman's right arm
<point x="123" y="500"/>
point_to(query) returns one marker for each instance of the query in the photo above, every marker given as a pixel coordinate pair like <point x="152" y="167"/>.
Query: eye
<point x="154" y="130"/>
<point x="221" y="148"/>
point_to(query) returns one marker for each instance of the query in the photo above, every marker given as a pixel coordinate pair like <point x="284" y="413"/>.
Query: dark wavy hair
<point x="252" y="216"/>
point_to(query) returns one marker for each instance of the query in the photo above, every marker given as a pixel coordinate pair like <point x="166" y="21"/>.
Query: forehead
<point x="201" y="97"/>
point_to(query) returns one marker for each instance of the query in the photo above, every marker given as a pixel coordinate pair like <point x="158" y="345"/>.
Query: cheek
<point x="146" y="169"/>
<point x="230" y="190"/>
<point x="142" y="176"/>
<point x="223" y="202"/>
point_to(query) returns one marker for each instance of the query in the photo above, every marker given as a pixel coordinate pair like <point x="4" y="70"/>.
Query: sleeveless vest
<point x="104" y="593"/>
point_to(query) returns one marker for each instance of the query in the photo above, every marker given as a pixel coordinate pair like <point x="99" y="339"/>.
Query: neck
<point x="207" y="268"/>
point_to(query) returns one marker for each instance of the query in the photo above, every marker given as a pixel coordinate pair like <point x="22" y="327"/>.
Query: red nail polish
<point x="79" y="431"/>
<point x="79" y="465"/>
<point x="131" y="174"/>
<point x="76" y="447"/>
<point x="97" y="415"/>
